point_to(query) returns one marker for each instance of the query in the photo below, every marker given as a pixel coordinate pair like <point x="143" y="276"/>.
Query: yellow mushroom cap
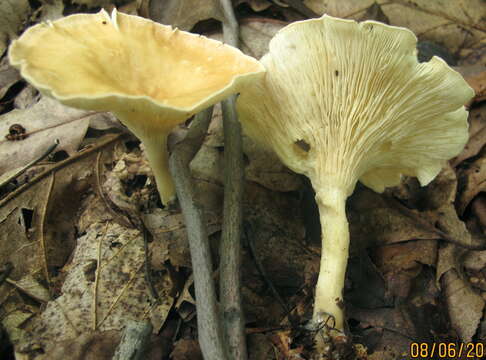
<point x="150" y="75"/>
<point x="343" y="101"/>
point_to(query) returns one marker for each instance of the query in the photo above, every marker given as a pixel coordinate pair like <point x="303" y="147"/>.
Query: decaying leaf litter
<point x="71" y="224"/>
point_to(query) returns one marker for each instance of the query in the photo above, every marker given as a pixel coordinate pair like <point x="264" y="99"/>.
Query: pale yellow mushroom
<point x="343" y="101"/>
<point x="151" y="76"/>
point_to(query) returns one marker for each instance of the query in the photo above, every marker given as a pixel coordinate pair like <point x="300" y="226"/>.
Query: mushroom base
<point x="329" y="305"/>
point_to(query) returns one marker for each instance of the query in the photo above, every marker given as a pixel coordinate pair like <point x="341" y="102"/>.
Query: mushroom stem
<point x="334" y="257"/>
<point x="158" y="157"/>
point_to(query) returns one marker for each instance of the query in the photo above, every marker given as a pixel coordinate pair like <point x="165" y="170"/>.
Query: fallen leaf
<point x="375" y="220"/>
<point x="93" y="346"/>
<point x="478" y="208"/>
<point x="170" y="235"/>
<point x="256" y="5"/>
<point x="117" y="293"/>
<point x="477" y="135"/>
<point x="259" y="347"/>
<point x="50" y="10"/>
<point x="255" y="35"/>
<point x="401" y="263"/>
<point x="27" y="97"/>
<point x="477" y="80"/>
<point x="475" y="260"/>
<point x="473" y="181"/>
<point x="13" y="14"/>
<point x="44" y="122"/>
<point x="367" y="286"/>
<point x="440" y="211"/>
<point x="186" y="349"/>
<point x="282" y="340"/>
<point x="262" y="166"/>
<point x="184" y="14"/>
<point x="31" y="287"/>
<point x="8" y="76"/>
<point x="93" y="3"/>
<point x="455" y="24"/>
<point x="465" y="306"/>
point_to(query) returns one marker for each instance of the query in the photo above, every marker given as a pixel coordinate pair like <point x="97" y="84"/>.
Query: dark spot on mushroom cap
<point x="104" y="22"/>
<point x="303" y="145"/>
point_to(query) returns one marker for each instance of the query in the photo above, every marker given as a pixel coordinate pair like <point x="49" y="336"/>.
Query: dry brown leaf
<point x="475" y="260"/>
<point x="406" y="256"/>
<point x="283" y="342"/>
<point x="393" y="330"/>
<point x="30" y="242"/>
<point x="44" y="122"/>
<point x="20" y="234"/>
<point x="93" y="3"/>
<point x="102" y="297"/>
<point x="375" y="220"/>
<point x="473" y="181"/>
<point x="27" y="97"/>
<point x="186" y="349"/>
<point x="477" y="134"/>
<point x="170" y="236"/>
<point x="464" y="304"/>
<point x="13" y="14"/>
<point x="184" y="14"/>
<point x="255" y="34"/>
<point x="262" y="166"/>
<point x="8" y="76"/>
<point x="99" y="345"/>
<point x="441" y="212"/>
<point x="256" y="5"/>
<point x="478" y="208"/>
<point x="455" y="24"/>
<point x="478" y="83"/>
<point x="259" y="347"/>
<point x="50" y="10"/>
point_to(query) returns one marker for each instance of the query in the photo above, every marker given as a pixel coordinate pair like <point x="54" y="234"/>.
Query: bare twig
<point x="134" y="341"/>
<point x="209" y="328"/>
<point x="230" y="249"/>
<point x="230" y="25"/>
<point x="97" y="279"/>
<point x="42" y="239"/>
<point x="148" y="269"/>
<point x="105" y="141"/>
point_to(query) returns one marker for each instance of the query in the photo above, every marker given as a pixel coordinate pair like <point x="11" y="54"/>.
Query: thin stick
<point x="42" y="242"/>
<point x="230" y="248"/>
<point x="57" y="166"/>
<point x="230" y="25"/>
<point x="147" y="267"/>
<point x="134" y="342"/>
<point x="209" y="328"/>
<point x="97" y="279"/>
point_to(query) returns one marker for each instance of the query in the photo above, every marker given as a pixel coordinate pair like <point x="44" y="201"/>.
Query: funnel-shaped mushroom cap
<point x="343" y="101"/>
<point x="150" y="75"/>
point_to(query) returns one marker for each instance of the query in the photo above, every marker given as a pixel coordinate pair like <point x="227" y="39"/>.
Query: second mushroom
<point x="343" y="101"/>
